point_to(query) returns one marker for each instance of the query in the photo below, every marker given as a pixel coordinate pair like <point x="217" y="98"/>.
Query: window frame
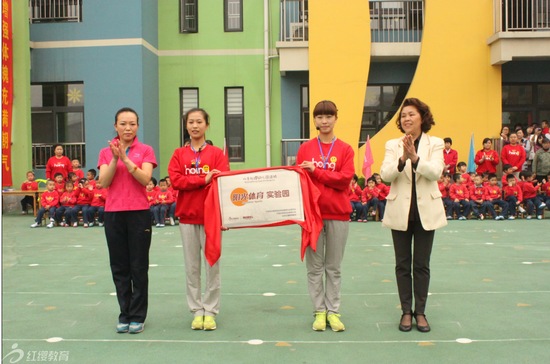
<point x="226" y="22"/>
<point x="228" y="120"/>
<point x="184" y="27"/>
<point x="183" y="129"/>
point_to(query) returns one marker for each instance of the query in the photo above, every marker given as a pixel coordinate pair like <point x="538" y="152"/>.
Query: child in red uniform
<point x="466" y="177"/>
<point x="450" y="157"/>
<point x="99" y="195"/>
<point x="478" y="198"/>
<point x="83" y="200"/>
<point x="49" y="202"/>
<point x="513" y="195"/>
<point x="545" y="190"/>
<point x="28" y="185"/>
<point x="494" y="197"/>
<point x="354" y="196"/>
<point x="369" y="198"/>
<point x="76" y="168"/>
<point x="67" y="202"/>
<point x="330" y="163"/>
<point x="90" y="176"/>
<point x="460" y="197"/>
<point x="152" y="196"/>
<point x="191" y="169"/>
<point x="59" y="183"/>
<point x="163" y="201"/>
<point x="443" y="184"/>
<point x="384" y="191"/>
<point x="172" y="209"/>
<point x="513" y="154"/>
<point x="531" y="200"/>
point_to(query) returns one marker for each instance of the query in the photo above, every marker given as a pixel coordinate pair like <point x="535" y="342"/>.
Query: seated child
<point x="369" y="198"/>
<point x="172" y="209"/>
<point x="384" y="192"/>
<point x="67" y="202"/>
<point x="512" y="195"/>
<point x="531" y="200"/>
<point x="152" y="197"/>
<point x="28" y="185"/>
<point x="460" y="197"/>
<point x="83" y="200"/>
<point x="545" y="190"/>
<point x="164" y="199"/>
<point x="466" y="177"/>
<point x="354" y="196"/>
<point x="99" y="195"/>
<point x="478" y="198"/>
<point x="494" y="197"/>
<point x="443" y="184"/>
<point x="48" y="202"/>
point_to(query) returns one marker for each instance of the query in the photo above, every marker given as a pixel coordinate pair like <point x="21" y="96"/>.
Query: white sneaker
<point x="172" y="222"/>
<point x="511" y="218"/>
<point x="539" y="217"/>
<point x="91" y="224"/>
<point x="50" y="225"/>
<point x="157" y="225"/>
<point x="52" y="219"/>
<point x="542" y="205"/>
<point x="75" y="224"/>
<point x="161" y="225"/>
<point x="528" y="217"/>
<point x="35" y="225"/>
<point x="100" y="224"/>
<point x="499" y="217"/>
<point x="85" y="225"/>
<point x="521" y="209"/>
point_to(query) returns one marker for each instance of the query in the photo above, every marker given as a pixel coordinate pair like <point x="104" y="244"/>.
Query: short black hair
<point x="448" y="140"/>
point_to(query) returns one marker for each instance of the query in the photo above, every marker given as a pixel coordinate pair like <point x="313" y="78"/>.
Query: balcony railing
<point x="293" y="16"/>
<point x="521" y="15"/>
<point x="55" y="11"/>
<point x="42" y="152"/>
<point x="289" y="148"/>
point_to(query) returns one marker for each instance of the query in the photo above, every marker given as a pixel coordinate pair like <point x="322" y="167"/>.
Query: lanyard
<point x="197" y="155"/>
<point x="325" y="159"/>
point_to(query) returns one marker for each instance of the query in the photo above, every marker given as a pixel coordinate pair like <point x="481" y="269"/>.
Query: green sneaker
<point x="320" y="323"/>
<point x="209" y="323"/>
<point x="197" y="323"/>
<point x="335" y="323"/>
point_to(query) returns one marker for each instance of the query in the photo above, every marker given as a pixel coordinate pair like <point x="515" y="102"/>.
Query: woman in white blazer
<point x="413" y="164"/>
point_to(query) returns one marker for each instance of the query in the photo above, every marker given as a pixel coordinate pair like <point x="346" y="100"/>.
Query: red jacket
<point x="444" y="189"/>
<point x="513" y="155"/>
<point x="369" y="193"/>
<point x="493" y="193"/>
<point x="49" y="199"/>
<point x="354" y="194"/>
<point x="187" y="171"/>
<point x="29" y="186"/>
<point x="489" y="163"/>
<point x="311" y="226"/>
<point x="513" y="191"/>
<point x="333" y="182"/>
<point x="450" y="157"/>
<point x="459" y="192"/>
<point x="383" y="191"/>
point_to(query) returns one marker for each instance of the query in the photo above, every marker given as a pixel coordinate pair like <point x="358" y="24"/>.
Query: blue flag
<point x="471" y="157"/>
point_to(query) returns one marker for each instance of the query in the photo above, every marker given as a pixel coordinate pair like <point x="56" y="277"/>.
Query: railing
<point x="42" y="152"/>
<point x="55" y="11"/>
<point x="521" y="15"/>
<point x="390" y="21"/>
<point x="396" y="21"/>
<point x="289" y="148"/>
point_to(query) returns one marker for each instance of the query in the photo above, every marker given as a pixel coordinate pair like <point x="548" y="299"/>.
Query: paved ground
<point x="489" y="300"/>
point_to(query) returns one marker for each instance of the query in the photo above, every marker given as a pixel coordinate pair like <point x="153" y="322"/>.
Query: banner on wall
<point x="7" y="91"/>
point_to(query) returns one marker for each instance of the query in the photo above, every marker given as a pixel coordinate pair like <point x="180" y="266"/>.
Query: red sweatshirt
<point x="354" y="194"/>
<point x="459" y="192"/>
<point x="187" y="171"/>
<point x="383" y="191"/>
<point x="99" y="195"/>
<point x="528" y="190"/>
<point x="332" y="182"/>
<point x="369" y="193"/>
<point x="49" y="199"/>
<point x="513" y="155"/>
<point x="450" y="157"/>
<point x="545" y="189"/>
<point x="164" y="197"/>
<point x="444" y="189"/>
<point x="478" y="193"/>
<point x="68" y="199"/>
<point x="58" y="165"/>
<point x="152" y="197"/>
<point x="489" y="163"/>
<point x="513" y="191"/>
<point x="29" y="186"/>
<point x="493" y="193"/>
<point x="84" y="196"/>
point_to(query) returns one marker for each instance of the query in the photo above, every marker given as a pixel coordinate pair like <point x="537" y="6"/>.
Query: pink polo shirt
<point x="125" y="192"/>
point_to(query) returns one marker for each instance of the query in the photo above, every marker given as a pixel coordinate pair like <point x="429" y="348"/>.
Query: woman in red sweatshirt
<point x="513" y="154"/>
<point x="330" y="164"/>
<point x="191" y="169"/>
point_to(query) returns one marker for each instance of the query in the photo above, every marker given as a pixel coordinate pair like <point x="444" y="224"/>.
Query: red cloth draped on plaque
<point x="311" y="226"/>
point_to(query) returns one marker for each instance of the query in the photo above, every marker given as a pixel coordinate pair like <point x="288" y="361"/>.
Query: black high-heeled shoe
<point x="405" y="328"/>
<point x="422" y="328"/>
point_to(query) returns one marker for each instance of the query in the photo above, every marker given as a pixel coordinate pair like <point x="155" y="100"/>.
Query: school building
<point x="258" y="66"/>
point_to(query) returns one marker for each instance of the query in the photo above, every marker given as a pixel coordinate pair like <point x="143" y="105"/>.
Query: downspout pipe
<point x="267" y="87"/>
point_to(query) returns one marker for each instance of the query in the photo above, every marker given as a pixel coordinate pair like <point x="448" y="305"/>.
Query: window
<point x="57" y="116"/>
<point x="44" y="11"/>
<point x="189" y="16"/>
<point x="304" y="111"/>
<point x="234" y="123"/>
<point x="233" y="15"/>
<point x="381" y="104"/>
<point x="189" y="99"/>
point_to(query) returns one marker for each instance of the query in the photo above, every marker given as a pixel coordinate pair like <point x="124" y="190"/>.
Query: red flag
<point x="368" y="160"/>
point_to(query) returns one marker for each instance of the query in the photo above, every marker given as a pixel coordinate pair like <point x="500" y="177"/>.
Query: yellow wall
<point x="339" y="56"/>
<point x="454" y="76"/>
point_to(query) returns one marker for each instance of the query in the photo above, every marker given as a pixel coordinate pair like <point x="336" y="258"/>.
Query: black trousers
<point x="128" y="236"/>
<point x="417" y="279"/>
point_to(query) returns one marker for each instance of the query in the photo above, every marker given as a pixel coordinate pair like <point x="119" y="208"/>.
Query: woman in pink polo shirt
<point x="126" y="166"/>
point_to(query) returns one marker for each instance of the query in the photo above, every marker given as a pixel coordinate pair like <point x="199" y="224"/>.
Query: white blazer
<point x="429" y="169"/>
